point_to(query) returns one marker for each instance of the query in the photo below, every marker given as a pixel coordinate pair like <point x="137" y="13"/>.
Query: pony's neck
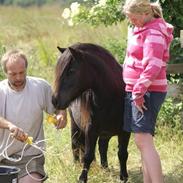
<point x="106" y="76"/>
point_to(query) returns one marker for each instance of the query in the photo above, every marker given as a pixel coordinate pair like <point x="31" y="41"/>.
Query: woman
<point x="145" y="77"/>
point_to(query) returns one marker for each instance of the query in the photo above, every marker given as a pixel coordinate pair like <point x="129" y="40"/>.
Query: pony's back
<point x="102" y="54"/>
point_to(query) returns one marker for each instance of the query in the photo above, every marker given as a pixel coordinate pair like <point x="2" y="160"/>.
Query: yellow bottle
<point x="52" y="119"/>
<point x="29" y="140"/>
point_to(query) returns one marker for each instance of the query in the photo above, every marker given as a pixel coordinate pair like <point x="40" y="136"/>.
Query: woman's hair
<point x="12" y="55"/>
<point x="143" y="6"/>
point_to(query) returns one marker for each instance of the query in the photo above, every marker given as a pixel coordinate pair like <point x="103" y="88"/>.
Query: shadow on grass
<point x="112" y="175"/>
<point x="135" y="175"/>
<point x="70" y="173"/>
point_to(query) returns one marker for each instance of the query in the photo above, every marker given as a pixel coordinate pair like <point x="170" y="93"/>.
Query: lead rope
<point x="29" y="141"/>
<point x="50" y="119"/>
<point x="4" y="153"/>
<point x="38" y="156"/>
<point x="35" y="145"/>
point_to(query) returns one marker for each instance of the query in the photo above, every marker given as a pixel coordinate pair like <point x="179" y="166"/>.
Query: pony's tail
<point x="85" y="108"/>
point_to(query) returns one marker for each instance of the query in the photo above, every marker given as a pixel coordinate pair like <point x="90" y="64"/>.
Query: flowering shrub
<point x="101" y="11"/>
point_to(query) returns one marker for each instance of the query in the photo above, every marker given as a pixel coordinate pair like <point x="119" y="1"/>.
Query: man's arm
<point x="5" y="124"/>
<point x="16" y="132"/>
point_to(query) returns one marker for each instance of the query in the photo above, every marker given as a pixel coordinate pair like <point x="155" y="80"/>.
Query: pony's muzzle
<point x="55" y="102"/>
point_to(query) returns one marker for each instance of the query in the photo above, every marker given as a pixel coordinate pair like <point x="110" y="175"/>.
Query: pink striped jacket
<point x="146" y="59"/>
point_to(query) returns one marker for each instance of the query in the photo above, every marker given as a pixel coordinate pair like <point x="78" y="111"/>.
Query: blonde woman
<point x="145" y="77"/>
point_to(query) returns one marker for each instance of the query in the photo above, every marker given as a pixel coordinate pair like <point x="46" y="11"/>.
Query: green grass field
<point x="61" y="168"/>
<point x="38" y="32"/>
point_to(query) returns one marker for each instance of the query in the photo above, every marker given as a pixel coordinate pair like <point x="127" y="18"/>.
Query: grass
<point x="38" y="31"/>
<point x="61" y="168"/>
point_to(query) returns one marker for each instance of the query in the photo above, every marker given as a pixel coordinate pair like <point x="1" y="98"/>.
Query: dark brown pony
<point x="89" y="82"/>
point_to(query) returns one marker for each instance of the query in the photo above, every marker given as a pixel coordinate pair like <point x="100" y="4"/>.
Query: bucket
<point x="9" y="174"/>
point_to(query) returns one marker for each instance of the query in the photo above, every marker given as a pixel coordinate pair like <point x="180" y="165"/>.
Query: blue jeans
<point x="135" y="121"/>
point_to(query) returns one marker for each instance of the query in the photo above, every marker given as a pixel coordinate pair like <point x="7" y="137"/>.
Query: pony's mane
<point x="60" y="67"/>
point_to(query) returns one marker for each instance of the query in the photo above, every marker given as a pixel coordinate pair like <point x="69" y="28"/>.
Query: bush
<point x="171" y="115"/>
<point x="117" y="48"/>
<point x="176" y="52"/>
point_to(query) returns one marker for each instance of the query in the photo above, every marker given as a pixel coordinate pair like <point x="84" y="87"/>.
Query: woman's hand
<point x="139" y="103"/>
<point x="141" y="108"/>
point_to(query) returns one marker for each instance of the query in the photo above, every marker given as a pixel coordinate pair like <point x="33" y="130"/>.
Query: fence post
<point x="181" y="38"/>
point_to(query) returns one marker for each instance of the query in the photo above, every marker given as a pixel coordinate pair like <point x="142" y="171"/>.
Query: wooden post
<point x="181" y="38"/>
<point x="175" y="68"/>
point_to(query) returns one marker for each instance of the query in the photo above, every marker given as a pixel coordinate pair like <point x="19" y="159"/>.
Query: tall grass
<point x="38" y="31"/>
<point x="61" y="168"/>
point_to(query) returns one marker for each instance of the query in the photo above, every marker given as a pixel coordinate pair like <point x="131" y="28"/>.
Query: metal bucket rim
<point x="17" y="170"/>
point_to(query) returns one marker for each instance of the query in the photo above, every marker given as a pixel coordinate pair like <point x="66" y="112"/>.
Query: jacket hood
<point x="158" y="24"/>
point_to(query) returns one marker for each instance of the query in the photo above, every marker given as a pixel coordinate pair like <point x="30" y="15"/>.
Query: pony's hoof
<point x="83" y="177"/>
<point x="104" y="165"/>
<point x="124" y="179"/>
<point x="82" y="181"/>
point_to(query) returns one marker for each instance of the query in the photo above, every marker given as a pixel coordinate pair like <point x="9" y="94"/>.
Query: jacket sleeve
<point x="152" y="62"/>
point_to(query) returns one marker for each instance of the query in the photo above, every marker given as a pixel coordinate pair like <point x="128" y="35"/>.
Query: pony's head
<point x="70" y="77"/>
<point x="84" y="66"/>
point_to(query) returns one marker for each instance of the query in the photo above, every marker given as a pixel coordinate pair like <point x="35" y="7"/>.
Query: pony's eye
<point x="70" y="71"/>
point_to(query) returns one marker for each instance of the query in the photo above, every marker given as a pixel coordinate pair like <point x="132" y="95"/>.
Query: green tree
<point x="108" y="12"/>
<point x="105" y="12"/>
<point x="173" y="13"/>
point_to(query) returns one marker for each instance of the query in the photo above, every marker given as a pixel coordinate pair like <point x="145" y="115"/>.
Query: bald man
<point x="23" y="101"/>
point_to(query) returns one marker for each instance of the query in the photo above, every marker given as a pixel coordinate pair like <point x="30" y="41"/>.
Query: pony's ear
<point x="61" y="49"/>
<point x="75" y="53"/>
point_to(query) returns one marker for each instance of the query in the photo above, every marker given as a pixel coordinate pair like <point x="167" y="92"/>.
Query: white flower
<point x="102" y="2"/>
<point x="92" y="10"/>
<point x="70" y="22"/>
<point x="66" y="13"/>
<point x="75" y="8"/>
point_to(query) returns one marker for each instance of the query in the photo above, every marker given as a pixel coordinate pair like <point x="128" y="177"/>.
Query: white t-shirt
<point x="25" y="109"/>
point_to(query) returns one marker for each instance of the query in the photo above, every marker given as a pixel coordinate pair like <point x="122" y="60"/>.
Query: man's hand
<point x="18" y="133"/>
<point x="62" y="119"/>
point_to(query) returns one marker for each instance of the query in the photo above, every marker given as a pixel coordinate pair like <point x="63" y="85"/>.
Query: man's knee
<point x="32" y="178"/>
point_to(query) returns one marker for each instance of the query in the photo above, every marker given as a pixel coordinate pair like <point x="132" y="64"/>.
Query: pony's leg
<point x="103" y="143"/>
<point x="90" y="144"/>
<point x="75" y="146"/>
<point x="123" y="141"/>
<point x="82" y="152"/>
<point x="75" y="139"/>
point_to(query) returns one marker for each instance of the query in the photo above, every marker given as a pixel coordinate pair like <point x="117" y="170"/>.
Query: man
<point x="23" y="101"/>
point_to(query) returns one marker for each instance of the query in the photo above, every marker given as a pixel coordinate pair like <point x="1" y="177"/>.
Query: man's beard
<point x="17" y="84"/>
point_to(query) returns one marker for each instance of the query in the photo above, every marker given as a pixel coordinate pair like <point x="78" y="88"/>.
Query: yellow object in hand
<point x="29" y="140"/>
<point x="52" y="119"/>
